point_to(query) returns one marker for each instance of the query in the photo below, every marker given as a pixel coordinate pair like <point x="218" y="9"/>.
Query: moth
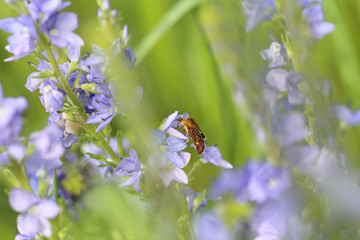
<point x="192" y="129"/>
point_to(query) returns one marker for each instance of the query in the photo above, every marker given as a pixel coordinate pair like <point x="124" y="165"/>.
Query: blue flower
<point x="68" y="140"/>
<point x="169" y="174"/>
<point x="35" y="213"/>
<point x="101" y="57"/>
<point x="213" y="155"/>
<point x="278" y="219"/>
<point x="235" y="181"/>
<point x="52" y="99"/>
<point x="105" y="108"/>
<point x="33" y="81"/>
<point x="48" y="150"/>
<point x="11" y="119"/>
<point x="314" y="15"/>
<point x="42" y="9"/>
<point x="193" y="199"/>
<point x="276" y="55"/>
<point x="257" y="11"/>
<point x="280" y="81"/>
<point x="130" y="167"/>
<point x="47" y="142"/>
<point x="208" y="226"/>
<point x="59" y="27"/>
<point x="171" y="123"/>
<point x="24" y="38"/>
<point x="345" y="115"/>
<point x="289" y="128"/>
<point x="268" y="182"/>
<point x="167" y="149"/>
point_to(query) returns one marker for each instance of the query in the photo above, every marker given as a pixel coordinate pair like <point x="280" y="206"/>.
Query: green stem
<point x="74" y="101"/>
<point x="195" y="166"/>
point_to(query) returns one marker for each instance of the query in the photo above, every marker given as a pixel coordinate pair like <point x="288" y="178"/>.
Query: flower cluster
<point x="168" y="143"/>
<point x="52" y="172"/>
<point x="258" y="11"/>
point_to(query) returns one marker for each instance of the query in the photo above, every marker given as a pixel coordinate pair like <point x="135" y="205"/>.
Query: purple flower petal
<point x="157" y="138"/>
<point x="171" y="118"/>
<point x="268" y="182"/>
<point x="213" y="155"/>
<point x="135" y="177"/>
<point x="345" y="115"/>
<point x="276" y="78"/>
<point x="176" y="133"/>
<point x="186" y="157"/>
<point x="175" y="144"/>
<point x="209" y="227"/>
<point x="166" y="177"/>
<point x="33" y="82"/>
<point x="28" y="224"/>
<point x="175" y="159"/>
<point x="179" y="175"/>
<point x="16" y="151"/>
<point x="4" y="159"/>
<point x="21" y="200"/>
<point x="319" y="29"/>
<point x="47" y="209"/>
<point x="125" y="167"/>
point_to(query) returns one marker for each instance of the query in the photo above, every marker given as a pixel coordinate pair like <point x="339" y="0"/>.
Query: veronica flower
<point x="171" y="123"/>
<point x="52" y="99"/>
<point x="48" y="150"/>
<point x="24" y="38"/>
<point x="345" y="115"/>
<point x="35" y="213"/>
<point x="314" y="15"/>
<point x="100" y="58"/>
<point x="213" y="155"/>
<point x="289" y="128"/>
<point x="193" y="199"/>
<point x="276" y="55"/>
<point x="42" y="9"/>
<point x="130" y="167"/>
<point x="208" y="226"/>
<point x="257" y="11"/>
<point x="11" y="119"/>
<point x="268" y="182"/>
<point x="235" y="182"/>
<point x="167" y="150"/>
<point x="59" y="27"/>
<point x="167" y="175"/>
<point x="105" y="108"/>
<point x="278" y="219"/>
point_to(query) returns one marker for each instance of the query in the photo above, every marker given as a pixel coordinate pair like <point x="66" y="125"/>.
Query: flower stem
<point x="195" y="166"/>
<point x="74" y="101"/>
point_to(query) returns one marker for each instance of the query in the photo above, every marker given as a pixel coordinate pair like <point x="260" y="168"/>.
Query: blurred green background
<point x="196" y="67"/>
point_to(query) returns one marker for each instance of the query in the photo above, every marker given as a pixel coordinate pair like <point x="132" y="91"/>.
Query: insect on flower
<point x="192" y="129"/>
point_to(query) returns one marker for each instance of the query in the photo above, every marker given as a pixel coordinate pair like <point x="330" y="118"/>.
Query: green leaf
<point x="44" y="74"/>
<point x="99" y="157"/>
<point x="171" y="17"/>
<point x="90" y="87"/>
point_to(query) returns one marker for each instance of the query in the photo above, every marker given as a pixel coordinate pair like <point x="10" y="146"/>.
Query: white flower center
<point x="54" y="32"/>
<point x="25" y="32"/>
